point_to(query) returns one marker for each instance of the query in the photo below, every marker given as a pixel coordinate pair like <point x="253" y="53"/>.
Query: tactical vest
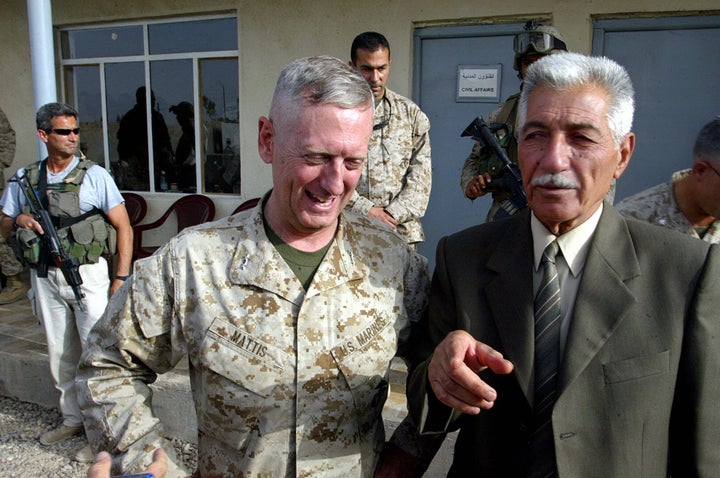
<point x="83" y="236"/>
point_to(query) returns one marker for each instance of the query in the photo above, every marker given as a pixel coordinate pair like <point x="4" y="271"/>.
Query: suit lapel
<point x="603" y="298"/>
<point x="509" y="297"/>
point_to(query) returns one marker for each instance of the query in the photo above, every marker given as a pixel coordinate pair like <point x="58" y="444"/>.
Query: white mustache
<point x="555" y="180"/>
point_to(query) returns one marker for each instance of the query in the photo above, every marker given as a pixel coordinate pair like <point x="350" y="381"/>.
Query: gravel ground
<point x="22" y="456"/>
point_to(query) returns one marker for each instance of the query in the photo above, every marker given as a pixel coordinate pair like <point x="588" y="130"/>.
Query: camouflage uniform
<point x="10" y="265"/>
<point x="398" y="170"/>
<point x="7" y="146"/>
<point x="286" y="382"/>
<point x="657" y="206"/>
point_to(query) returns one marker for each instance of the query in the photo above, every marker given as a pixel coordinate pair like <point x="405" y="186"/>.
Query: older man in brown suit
<point x="566" y="340"/>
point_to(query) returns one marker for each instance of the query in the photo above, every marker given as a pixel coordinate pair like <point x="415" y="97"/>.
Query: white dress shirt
<point x="570" y="262"/>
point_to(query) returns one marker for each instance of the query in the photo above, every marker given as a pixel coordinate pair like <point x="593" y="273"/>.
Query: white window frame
<point x="147" y="58"/>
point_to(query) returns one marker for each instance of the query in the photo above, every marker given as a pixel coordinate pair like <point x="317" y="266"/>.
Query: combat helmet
<point x="536" y="39"/>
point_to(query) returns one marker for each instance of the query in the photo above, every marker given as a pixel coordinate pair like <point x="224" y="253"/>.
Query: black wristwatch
<point x="122" y="278"/>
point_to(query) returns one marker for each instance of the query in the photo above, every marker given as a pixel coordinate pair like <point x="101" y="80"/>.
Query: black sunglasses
<point x="714" y="170"/>
<point x="63" y="131"/>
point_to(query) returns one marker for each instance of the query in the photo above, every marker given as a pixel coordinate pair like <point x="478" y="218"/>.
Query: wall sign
<point x="479" y="83"/>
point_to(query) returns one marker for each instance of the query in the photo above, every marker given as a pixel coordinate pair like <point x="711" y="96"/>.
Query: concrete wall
<point x="274" y="32"/>
<point x="16" y="96"/>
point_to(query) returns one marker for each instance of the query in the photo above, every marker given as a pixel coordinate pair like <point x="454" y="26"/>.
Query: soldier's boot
<point x="15" y="289"/>
<point x="61" y="433"/>
<point x="86" y="455"/>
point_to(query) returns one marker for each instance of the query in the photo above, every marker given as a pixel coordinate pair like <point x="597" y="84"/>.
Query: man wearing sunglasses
<point x="88" y="212"/>
<point x="482" y="166"/>
<point x="690" y="201"/>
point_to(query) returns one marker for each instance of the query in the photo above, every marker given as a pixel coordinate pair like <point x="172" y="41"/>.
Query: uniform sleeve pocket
<point x="154" y="313"/>
<point x="637" y="368"/>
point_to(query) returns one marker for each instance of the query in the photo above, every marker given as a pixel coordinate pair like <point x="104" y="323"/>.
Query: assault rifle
<point x="67" y="264"/>
<point x="509" y="179"/>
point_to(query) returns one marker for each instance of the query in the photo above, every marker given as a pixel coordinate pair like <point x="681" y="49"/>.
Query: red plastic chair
<point x="136" y="207"/>
<point x="249" y="204"/>
<point x="190" y="210"/>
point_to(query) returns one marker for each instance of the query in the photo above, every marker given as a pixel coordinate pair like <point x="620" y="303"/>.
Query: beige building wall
<point x="274" y="32"/>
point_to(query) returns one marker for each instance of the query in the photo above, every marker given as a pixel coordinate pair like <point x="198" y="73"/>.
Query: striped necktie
<point x="547" y="359"/>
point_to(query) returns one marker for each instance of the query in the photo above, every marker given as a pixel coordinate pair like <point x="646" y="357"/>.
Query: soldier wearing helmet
<point x="482" y="166"/>
<point x="534" y="42"/>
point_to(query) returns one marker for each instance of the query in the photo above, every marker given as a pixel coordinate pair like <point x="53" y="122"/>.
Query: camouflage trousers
<point x="9" y="263"/>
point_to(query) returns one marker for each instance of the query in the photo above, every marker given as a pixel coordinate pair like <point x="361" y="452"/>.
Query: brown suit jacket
<point x="640" y="379"/>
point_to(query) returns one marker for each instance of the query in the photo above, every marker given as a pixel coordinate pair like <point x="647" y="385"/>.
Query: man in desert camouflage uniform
<point x="15" y="287"/>
<point x="690" y="201"/>
<point x="289" y="313"/>
<point x="395" y="184"/>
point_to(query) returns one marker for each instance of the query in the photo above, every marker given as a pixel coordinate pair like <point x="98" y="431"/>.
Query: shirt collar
<point x="573" y="244"/>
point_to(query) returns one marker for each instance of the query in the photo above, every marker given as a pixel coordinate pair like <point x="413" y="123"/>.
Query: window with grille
<point x="184" y="135"/>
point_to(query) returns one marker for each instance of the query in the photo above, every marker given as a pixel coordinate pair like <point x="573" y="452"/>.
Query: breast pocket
<point x="364" y="360"/>
<point x="636" y="368"/>
<point x="239" y="373"/>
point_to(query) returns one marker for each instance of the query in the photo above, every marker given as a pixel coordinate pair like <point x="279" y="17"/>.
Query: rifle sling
<point x="60" y="222"/>
<point x="42" y="184"/>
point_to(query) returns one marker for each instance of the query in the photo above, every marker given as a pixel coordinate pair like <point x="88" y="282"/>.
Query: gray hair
<point x="708" y="140"/>
<point x="319" y="80"/>
<point x="47" y="112"/>
<point x="565" y="71"/>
